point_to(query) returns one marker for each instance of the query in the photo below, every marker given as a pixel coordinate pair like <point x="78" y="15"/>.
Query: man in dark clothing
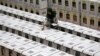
<point x="50" y="17"/>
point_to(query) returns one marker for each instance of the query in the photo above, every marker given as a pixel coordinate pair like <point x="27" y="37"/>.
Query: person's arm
<point x="44" y="23"/>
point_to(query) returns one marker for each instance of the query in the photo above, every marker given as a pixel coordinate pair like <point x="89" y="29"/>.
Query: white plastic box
<point x="61" y="54"/>
<point x="83" y="46"/>
<point x="92" y="50"/>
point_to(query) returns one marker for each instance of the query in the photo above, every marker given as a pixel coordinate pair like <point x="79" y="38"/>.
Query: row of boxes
<point x="39" y="4"/>
<point x="64" y="26"/>
<point x="60" y="40"/>
<point x="33" y="6"/>
<point x="65" y="5"/>
<point x="80" y="30"/>
<point x="21" y="46"/>
<point x="21" y="14"/>
<point x="90" y="7"/>
<point x="81" y="8"/>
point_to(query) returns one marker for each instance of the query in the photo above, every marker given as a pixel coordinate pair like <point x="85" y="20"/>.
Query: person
<point x="50" y="18"/>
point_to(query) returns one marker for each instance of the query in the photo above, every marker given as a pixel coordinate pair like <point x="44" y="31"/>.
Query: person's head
<point x="49" y="9"/>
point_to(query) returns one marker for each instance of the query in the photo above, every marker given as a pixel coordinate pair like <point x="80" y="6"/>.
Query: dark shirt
<point x="50" y="16"/>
